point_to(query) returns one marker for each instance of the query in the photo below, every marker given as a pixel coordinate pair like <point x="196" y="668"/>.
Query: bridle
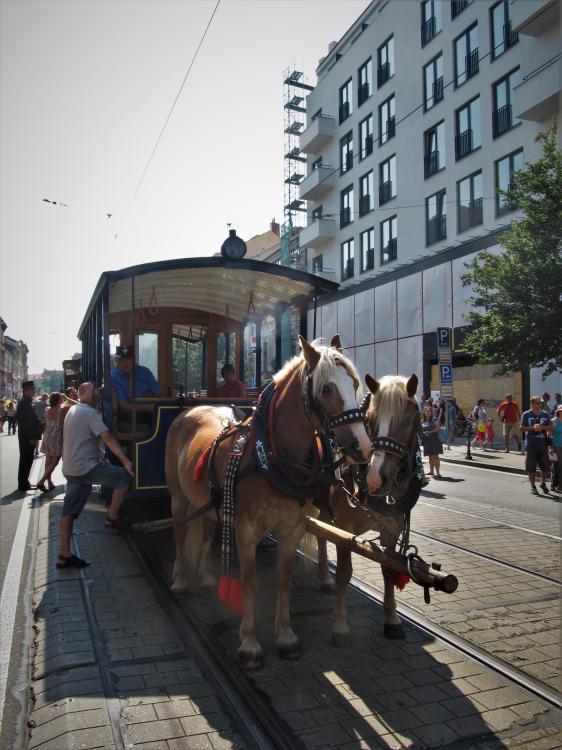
<point x="328" y="421"/>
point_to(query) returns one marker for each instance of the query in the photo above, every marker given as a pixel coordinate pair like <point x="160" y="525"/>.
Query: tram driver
<point x="131" y="381"/>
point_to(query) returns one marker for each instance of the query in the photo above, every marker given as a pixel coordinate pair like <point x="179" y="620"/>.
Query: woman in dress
<point x="432" y="447"/>
<point x="52" y="438"/>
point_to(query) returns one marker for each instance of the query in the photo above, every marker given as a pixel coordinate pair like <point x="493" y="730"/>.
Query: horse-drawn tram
<point x="283" y="666"/>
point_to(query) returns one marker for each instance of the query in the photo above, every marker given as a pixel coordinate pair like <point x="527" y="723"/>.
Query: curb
<point x="479" y="465"/>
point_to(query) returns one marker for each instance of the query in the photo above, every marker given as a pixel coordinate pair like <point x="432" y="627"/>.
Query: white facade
<point x="388" y="303"/>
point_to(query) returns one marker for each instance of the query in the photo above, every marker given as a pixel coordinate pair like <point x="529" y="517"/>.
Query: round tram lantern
<point x="233" y="248"/>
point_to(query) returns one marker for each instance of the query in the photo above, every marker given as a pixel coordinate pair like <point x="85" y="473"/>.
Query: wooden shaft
<point x="424" y="573"/>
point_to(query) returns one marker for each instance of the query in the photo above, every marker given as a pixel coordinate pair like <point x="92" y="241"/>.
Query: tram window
<point x="226" y="352"/>
<point x="250" y="355"/>
<point x="147" y="351"/>
<point x="188" y="359"/>
<point x="114" y="342"/>
<point x="268" y="364"/>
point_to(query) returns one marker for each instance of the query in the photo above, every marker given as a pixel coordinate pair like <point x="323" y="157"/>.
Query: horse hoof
<point x="328" y="588"/>
<point x="250" y="663"/>
<point x="291" y="653"/>
<point x="394" y="632"/>
<point x="341" y="640"/>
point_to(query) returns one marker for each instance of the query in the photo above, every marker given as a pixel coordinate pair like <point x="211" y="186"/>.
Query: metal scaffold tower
<point x="295" y="90"/>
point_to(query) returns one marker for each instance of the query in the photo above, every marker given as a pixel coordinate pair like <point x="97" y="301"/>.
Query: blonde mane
<point x="329" y="359"/>
<point x="389" y="402"/>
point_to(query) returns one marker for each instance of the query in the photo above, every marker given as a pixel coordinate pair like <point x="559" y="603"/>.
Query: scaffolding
<point x="295" y="90"/>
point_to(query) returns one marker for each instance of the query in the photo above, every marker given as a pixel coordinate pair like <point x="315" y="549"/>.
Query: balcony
<point x="319" y="182"/>
<point x="428" y="30"/>
<point x="383" y="74"/>
<point x="537" y="96"/>
<point x="463" y="144"/>
<point x="470" y="215"/>
<point x="533" y="17"/>
<point x="345" y="217"/>
<point x="385" y="192"/>
<point x="436" y="229"/>
<point x="432" y="163"/>
<point x="317" y="233"/>
<point x="363" y="93"/>
<point x="472" y="65"/>
<point x="510" y="37"/>
<point x="317" y="134"/>
<point x="365" y="205"/>
<point x="502" y="120"/>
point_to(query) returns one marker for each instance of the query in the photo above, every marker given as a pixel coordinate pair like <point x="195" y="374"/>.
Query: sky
<point x="85" y="88"/>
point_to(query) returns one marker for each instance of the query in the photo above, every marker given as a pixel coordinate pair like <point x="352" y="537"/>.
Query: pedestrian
<point x="557" y="403"/>
<point x="84" y="432"/>
<point x="535" y="423"/>
<point x="231" y="388"/>
<point x="52" y="439"/>
<point x="545" y="402"/>
<point x="510" y="416"/>
<point x="71" y="394"/>
<point x="432" y="446"/>
<point x="452" y="413"/>
<point x="479" y="419"/>
<point x="489" y="434"/>
<point x="40" y="407"/>
<point x="29" y="434"/>
<point x="556" y="454"/>
<point x="2" y="413"/>
<point x="11" y="416"/>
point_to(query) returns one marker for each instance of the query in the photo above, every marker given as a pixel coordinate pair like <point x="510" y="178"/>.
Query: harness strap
<point x="389" y="445"/>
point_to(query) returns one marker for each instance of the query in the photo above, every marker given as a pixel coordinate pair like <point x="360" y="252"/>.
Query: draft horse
<point x="382" y="499"/>
<point x="312" y="395"/>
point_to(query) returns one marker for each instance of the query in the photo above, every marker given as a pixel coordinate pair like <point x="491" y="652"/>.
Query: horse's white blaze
<point x="346" y="387"/>
<point x="374" y="479"/>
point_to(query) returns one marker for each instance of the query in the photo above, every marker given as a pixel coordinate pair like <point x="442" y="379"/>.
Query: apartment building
<point x="421" y="113"/>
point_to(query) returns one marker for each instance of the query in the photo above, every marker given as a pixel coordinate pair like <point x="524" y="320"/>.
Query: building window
<point x="430" y="19"/>
<point x="466" y="55"/>
<point x="318" y="264"/>
<point x="346" y="152"/>
<point x="346" y="206"/>
<point x="504" y="170"/>
<point x="368" y="250"/>
<point x="317" y="213"/>
<point x="502" y="115"/>
<point x="389" y="239"/>
<point x="387" y="120"/>
<point x="366" y="137"/>
<point x="500" y="25"/>
<point x="457" y="6"/>
<point x="387" y="180"/>
<point x="468" y="135"/>
<point x="436" y="218"/>
<point x="346" y="107"/>
<point x="433" y="82"/>
<point x="366" y="193"/>
<point x="469" y="201"/>
<point x="385" y="61"/>
<point x="347" y="260"/>
<point x="365" y="82"/>
<point x="434" y="149"/>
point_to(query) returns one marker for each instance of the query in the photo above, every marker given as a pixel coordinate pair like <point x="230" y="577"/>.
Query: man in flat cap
<point x="131" y="381"/>
<point x="29" y="434"/>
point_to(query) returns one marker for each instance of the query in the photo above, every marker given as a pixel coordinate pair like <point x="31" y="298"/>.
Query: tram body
<point x="185" y="319"/>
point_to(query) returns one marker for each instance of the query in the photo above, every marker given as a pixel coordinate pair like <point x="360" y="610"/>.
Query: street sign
<point x="445" y="359"/>
<point x="444" y="338"/>
<point x="446" y="374"/>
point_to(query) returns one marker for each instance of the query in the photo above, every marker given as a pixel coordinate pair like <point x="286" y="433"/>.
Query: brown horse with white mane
<point x="312" y="394"/>
<point x="383" y="499"/>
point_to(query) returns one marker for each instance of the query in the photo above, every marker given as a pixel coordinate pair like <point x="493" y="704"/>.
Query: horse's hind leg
<point x="180" y="572"/>
<point x="206" y="574"/>
<point x="340" y="629"/>
<point x="286" y="639"/>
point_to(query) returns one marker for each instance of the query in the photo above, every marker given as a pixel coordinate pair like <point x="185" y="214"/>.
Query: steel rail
<point x="257" y="722"/>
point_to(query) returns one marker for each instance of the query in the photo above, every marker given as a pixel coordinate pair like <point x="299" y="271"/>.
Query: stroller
<point x="461" y="425"/>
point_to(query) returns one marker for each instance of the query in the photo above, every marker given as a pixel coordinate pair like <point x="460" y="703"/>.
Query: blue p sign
<point x="444" y="338"/>
<point x="446" y="374"/>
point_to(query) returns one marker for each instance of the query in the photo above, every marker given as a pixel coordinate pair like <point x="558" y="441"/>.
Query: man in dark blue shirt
<point x="535" y="425"/>
<point x="131" y="381"/>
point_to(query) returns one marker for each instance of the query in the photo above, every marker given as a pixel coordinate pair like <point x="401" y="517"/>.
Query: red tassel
<point x="199" y="467"/>
<point x="400" y="579"/>
<point x="230" y="593"/>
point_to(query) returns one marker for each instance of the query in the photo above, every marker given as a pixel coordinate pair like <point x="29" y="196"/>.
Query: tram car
<point x="183" y="320"/>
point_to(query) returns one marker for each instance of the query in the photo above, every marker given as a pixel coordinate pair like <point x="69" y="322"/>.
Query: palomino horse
<point x="394" y="472"/>
<point x="312" y="394"/>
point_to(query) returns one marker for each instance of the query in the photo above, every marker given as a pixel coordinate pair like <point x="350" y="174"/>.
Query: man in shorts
<point x="510" y="414"/>
<point x="84" y="433"/>
<point x="536" y="424"/>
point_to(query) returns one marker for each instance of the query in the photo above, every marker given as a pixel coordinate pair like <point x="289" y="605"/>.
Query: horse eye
<point x="326" y="389"/>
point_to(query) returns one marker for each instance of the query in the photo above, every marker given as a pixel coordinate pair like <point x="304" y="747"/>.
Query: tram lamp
<point x="233" y="248"/>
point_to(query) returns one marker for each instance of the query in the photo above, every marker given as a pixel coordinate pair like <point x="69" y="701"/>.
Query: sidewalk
<point x="493" y="458"/>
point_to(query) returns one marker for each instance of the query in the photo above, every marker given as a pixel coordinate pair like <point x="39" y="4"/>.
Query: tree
<point x="520" y="289"/>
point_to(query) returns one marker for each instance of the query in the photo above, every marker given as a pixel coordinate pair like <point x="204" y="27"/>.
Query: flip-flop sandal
<point x="71" y="562"/>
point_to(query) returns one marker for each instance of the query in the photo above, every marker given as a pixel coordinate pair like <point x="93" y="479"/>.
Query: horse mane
<point x="329" y="359"/>
<point x="389" y="402"/>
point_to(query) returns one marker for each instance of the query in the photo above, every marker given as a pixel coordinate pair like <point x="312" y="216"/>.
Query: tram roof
<point x="210" y="284"/>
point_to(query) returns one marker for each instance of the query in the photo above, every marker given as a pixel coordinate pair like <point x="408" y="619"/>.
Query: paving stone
<point x="138" y="714"/>
<point x="500" y="718"/>
<point x="199" y="742"/>
<point x="68" y="723"/>
<point x="156" y="730"/>
<point x="80" y="739"/>
<point x="328" y="735"/>
<point x="204" y="724"/>
<point x="501" y="697"/>
<point x="435" y="734"/>
<point x="226" y="741"/>
<point x="174" y="709"/>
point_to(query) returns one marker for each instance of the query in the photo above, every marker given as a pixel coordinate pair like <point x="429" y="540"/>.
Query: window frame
<point x="509" y="37"/>
<point x="346" y="142"/>
<point x="390" y="121"/>
<point x="382" y="182"/>
<point x="469" y="53"/>
<point x="345" y="101"/>
<point x="380" y="48"/>
<point x="470" y="128"/>
<point x="442" y="192"/>
<point x="364" y="266"/>
<point x="346" y="196"/>
<point x="497" y="196"/>
<point x="369" y="194"/>
<point x="318" y="264"/>
<point x="496" y="132"/>
<point x="427" y="33"/>
<point x="470" y="177"/>
<point x="364" y="152"/>
<point x="433" y="64"/>
<point x="440" y="149"/>
<point x="345" y="262"/>
<point x="391" y="219"/>
<point x="368" y="66"/>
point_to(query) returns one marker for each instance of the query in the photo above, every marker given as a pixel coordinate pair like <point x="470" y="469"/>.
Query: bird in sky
<point x="55" y="203"/>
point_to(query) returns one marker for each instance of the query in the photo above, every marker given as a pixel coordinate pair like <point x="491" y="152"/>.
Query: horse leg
<point x="340" y="629"/>
<point x="206" y="574"/>
<point x="286" y="639"/>
<point x="249" y="651"/>
<point x="392" y="626"/>
<point x="326" y="582"/>
<point x="180" y="571"/>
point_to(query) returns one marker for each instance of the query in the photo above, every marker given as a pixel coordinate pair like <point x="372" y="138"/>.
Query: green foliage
<point x="519" y="290"/>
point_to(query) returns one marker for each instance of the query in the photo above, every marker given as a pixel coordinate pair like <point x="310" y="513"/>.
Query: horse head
<point x="330" y="388"/>
<point x="393" y="425"/>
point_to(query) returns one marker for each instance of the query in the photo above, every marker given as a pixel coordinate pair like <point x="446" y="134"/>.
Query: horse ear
<point x="335" y="343"/>
<point x="311" y="356"/>
<point x="412" y="386"/>
<point x="372" y="384"/>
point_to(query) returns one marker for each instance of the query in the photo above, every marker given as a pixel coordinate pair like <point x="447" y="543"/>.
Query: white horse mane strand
<point x="389" y="402"/>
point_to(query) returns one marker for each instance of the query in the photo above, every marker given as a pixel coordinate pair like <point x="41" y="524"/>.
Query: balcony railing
<point x="363" y="93"/>
<point x="428" y="30"/>
<point x="347" y="162"/>
<point x="457" y="6"/>
<point x="502" y="120"/>
<point x="383" y="74"/>
<point x="345" y="217"/>
<point x="348" y="269"/>
<point x="509" y="37"/>
<point x="369" y="260"/>
<point x="389" y="251"/>
<point x="385" y="192"/>
<point x="463" y="144"/>
<point x="432" y="163"/>
<point x="470" y="215"/>
<point x="471" y="62"/>
<point x="437" y="89"/>
<point x="364" y="204"/>
<point x="367" y="147"/>
<point x="437" y="229"/>
<point x="345" y="111"/>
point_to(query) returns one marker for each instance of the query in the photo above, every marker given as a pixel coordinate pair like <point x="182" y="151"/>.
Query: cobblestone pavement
<point x="110" y="670"/>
